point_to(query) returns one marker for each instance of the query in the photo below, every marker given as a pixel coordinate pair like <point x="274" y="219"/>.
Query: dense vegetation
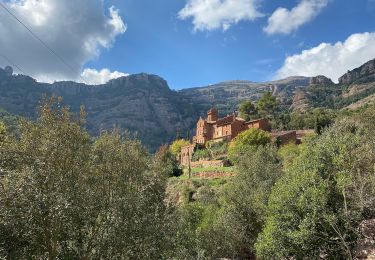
<point x="64" y="194"/>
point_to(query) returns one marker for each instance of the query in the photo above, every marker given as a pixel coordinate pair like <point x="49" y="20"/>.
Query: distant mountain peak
<point x="321" y="81"/>
<point x="364" y="73"/>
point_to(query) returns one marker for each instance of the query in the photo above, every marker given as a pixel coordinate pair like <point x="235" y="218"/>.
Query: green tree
<point x="248" y="110"/>
<point x="322" y="119"/>
<point x="267" y="104"/>
<point x="246" y="140"/>
<point x="44" y="202"/>
<point x="129" y="192"/>
<point x="65" y="196"/>
<point x="3" y="132"/>
<point x="318" y="204"/>
<point x="167" y="162"/>
<point x="177" y="145"/>
<point x="246" y="197"/>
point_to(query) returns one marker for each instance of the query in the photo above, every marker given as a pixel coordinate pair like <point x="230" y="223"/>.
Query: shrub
<point x="201" y="154"/>
<point x="246" y="140"/>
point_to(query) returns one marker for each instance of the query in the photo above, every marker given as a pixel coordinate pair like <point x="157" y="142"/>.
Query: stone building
<point x="226" y="128"/>
<point x="214" y="128"/>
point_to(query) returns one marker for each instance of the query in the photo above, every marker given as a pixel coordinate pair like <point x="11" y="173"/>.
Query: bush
<point x="176" y="146"/>
<point x="247" y="140"/>
<point x="326" y="192"/>
<point x="218" y="149"/>
<point x="201" y="154"/>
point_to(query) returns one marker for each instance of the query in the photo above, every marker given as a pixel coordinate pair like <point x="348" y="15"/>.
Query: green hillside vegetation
<point x="9" y="121"/>
<point x="65" y="194"/>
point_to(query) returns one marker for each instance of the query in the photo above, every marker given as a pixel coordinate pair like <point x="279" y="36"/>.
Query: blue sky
<point x="210" y="41"/>
<point x="157" y="42"/>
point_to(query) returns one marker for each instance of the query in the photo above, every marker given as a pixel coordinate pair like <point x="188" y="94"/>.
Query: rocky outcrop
<point x="321" y="81"/>
<point x="365" y="73"/>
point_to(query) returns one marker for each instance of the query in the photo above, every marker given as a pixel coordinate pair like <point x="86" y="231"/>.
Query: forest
<point x="67" y="195"/>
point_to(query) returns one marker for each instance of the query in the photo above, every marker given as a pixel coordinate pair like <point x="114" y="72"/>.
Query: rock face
<point x="227" y="95"/>
<point x="321" y="81"/>
<point x="364" y="73"/>
<point x="144" y="104"/>
<point x="140" y="103"/>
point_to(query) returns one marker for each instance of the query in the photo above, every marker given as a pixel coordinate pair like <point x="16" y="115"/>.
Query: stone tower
<point x="213" y="115"/>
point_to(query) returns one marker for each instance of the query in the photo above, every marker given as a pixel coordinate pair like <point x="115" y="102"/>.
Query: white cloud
<point x="75" y="29"/>
<point x="95" y="77"/>
<point x="331" y="60"/>
<point x="215" y="14"/>
<point x="284" y="21"/>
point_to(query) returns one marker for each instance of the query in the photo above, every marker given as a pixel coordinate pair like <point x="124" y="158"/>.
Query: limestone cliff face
<point x="364" y="73"/>
<point x="142" y="104"/>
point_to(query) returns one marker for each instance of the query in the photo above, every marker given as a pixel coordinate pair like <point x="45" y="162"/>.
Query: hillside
<point x="144" y="104"/>
<point x="353" y="87"/>
<point x="227" y="95"/>
<point x="141" y="103"/>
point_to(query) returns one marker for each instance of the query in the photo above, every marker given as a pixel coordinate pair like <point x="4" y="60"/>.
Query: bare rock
<point x="321" y="81"/>
<point x="366" y="72"/>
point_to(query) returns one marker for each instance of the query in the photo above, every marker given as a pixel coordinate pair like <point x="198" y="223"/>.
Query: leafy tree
<point x="44" y="204"/>
<point x="3" y="132"/>
<point x="167" y="162"/>
<point x="10" y="122"/>
<point x="65" y="196"/>
<point x="246" y="197"/>
<point x="323" y="119"/>
<point x="267" y="104"/>
<point x="177" y="145"/>
<point x="316" y="207"/>
<point x="248" y="110"/>
<point x="130" y="195"/>
<point x="246" y="140"/>
<point x="290" y="152"/>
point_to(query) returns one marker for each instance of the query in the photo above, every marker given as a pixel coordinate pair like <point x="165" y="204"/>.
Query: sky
<point x="189" y="43"/>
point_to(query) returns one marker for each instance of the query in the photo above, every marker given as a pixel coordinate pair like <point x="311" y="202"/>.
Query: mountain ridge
<point x="144" y="103"/>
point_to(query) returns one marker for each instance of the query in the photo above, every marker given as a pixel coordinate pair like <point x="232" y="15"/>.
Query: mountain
<point x="355" y="88"/>
<point x="363" y="74"/>
<point x="141" y="103"/>
<point x="145" y="104"/>
<point x="227" y="95"/>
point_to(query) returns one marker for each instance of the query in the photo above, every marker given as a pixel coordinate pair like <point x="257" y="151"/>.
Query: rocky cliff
<point x="364" y="73"/>
<point x="145" y="104"/>
<point x="142" y="104"/>
<point x="321" y="81"/>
